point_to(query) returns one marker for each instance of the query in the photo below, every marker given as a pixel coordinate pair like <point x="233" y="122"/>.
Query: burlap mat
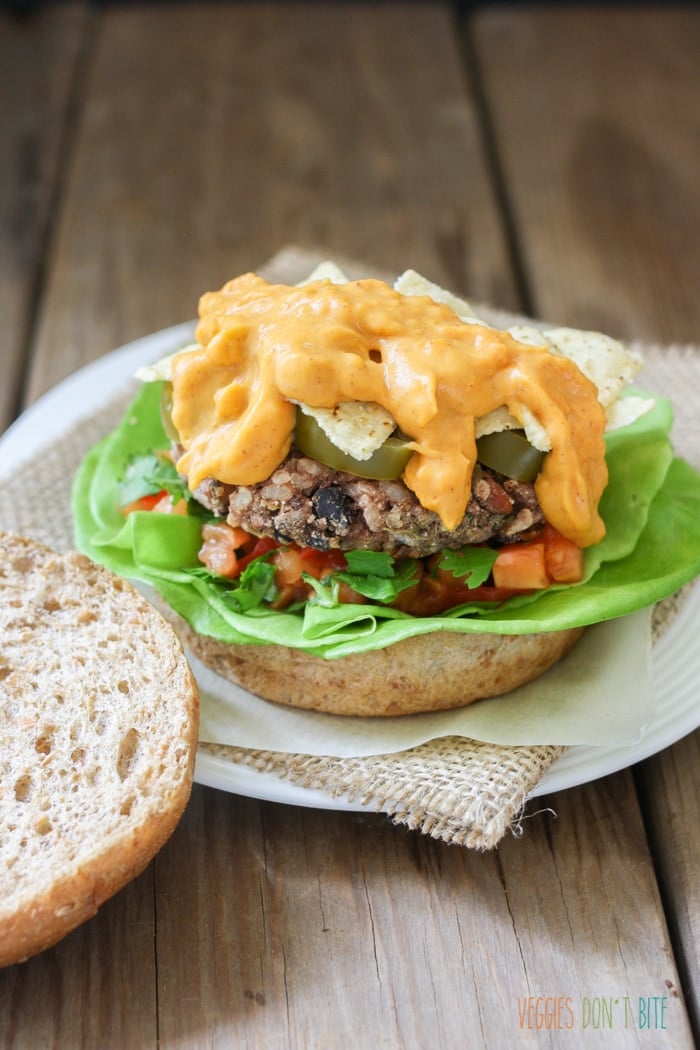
<point x="460" y="791"/>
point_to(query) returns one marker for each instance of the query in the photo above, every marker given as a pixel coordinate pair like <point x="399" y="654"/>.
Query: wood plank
<point x="302" y="928"/>
<point x="596" y="122"/>
<point x="599" y="147"/>
<point x="39" y="56"/>
<point x="307" y="928"/>
<point x="94" y="989"/>
<point x="211" y="136"/>
<point x="591" y="918"/>
<point x="670" y="789"/>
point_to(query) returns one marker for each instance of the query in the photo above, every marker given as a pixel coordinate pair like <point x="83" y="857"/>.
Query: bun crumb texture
<point x="98" y="732"/>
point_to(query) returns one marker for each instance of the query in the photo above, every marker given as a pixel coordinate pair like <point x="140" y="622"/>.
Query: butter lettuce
<point x="651" y="508"/>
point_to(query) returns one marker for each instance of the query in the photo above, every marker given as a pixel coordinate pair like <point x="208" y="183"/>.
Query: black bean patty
<point x="315" y="506"/>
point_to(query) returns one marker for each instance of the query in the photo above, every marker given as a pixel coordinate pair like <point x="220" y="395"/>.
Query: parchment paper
<point x="601" y="693"/>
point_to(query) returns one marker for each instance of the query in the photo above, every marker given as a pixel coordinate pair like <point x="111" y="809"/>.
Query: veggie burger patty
<point x="313" y="505"/>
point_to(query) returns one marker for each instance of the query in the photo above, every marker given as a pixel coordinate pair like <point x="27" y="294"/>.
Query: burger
<point x="361" y="498"/>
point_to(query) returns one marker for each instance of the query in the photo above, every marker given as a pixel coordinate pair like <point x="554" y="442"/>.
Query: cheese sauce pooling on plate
<point x="265" y="346"/>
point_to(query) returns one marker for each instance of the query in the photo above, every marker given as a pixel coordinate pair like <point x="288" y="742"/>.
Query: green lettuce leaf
<point x="651" y="509"/>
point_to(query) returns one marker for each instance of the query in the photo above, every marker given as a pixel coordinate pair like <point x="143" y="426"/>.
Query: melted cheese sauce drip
<point x="264" y="346"/>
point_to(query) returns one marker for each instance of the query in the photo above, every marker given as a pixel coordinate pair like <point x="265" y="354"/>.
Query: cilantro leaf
<point x="370" y="563"/>
<point x="374" y="574"/>
<point x="256" y="584"/>
<point x="149" y="473"/>
<point x="474" y="563"/>
<point x="382" y="588"/>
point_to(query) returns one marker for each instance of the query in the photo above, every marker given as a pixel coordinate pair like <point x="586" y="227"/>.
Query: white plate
<point x="675" y="662"/>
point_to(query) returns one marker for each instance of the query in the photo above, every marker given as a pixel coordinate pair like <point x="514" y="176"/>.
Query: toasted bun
<point x="98" y="731"/>
<point x="429" y="672"/>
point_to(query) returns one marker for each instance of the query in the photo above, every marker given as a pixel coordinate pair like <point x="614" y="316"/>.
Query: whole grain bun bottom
<point x="438" y="671"/>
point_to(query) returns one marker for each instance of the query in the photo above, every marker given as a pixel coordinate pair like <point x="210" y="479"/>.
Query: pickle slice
<point x="387" y="463"/>
<point x="511" y="454"/>
<point x="166" y="408"/>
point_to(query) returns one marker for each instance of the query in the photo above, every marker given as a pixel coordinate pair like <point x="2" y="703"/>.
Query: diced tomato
<point x="158" y="503"/>
<point x="521" y="567"/>
<point x="550" y="558"/>
<point x="488" y="592"/>
<point x="240" y="537"/>
<point x="288" y="566"/>
<point x="437" y="590"/>
<point x="144" y="502"/>
<point x="563" y="559"/>
<point x="349" y="596"/>
<point x="218" y="532"/>
<point x="546" y="557"/>
<point x="290" y="562"/>
<point x="291" y="592"/>
<point x="319" y="563"/>
<point x="219" y="548"/>
<point x="261" y="545"/>
<point x="165" y="505"/>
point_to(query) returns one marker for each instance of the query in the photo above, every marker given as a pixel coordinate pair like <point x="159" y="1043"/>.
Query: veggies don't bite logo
<point x="596" y="1013"/>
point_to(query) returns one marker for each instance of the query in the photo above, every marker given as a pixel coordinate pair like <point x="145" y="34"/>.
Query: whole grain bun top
<point x="98" y="731"/>
<point x="437" y="671"/>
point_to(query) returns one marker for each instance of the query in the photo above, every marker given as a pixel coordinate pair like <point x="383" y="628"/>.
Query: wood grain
<point x="599" y="146"/>
<point x="292" y="918"/>
<point x="596" y="122"/>
<point x="39" y="61"/>
<point x="670" y="788"/>
<point x="591" y="919"/>
<point x="332" y="929"/>
<point x="96" y="988"/>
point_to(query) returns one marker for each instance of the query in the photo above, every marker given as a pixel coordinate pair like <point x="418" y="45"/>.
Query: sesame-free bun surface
<point x="430" y="672"/>
<point x="98" y="731"/>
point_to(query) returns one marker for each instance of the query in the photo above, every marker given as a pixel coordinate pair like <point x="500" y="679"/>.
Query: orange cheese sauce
<point x="265" y="346"/>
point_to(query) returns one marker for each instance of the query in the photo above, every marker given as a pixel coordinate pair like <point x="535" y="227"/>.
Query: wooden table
<point x="544" y="160"/>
